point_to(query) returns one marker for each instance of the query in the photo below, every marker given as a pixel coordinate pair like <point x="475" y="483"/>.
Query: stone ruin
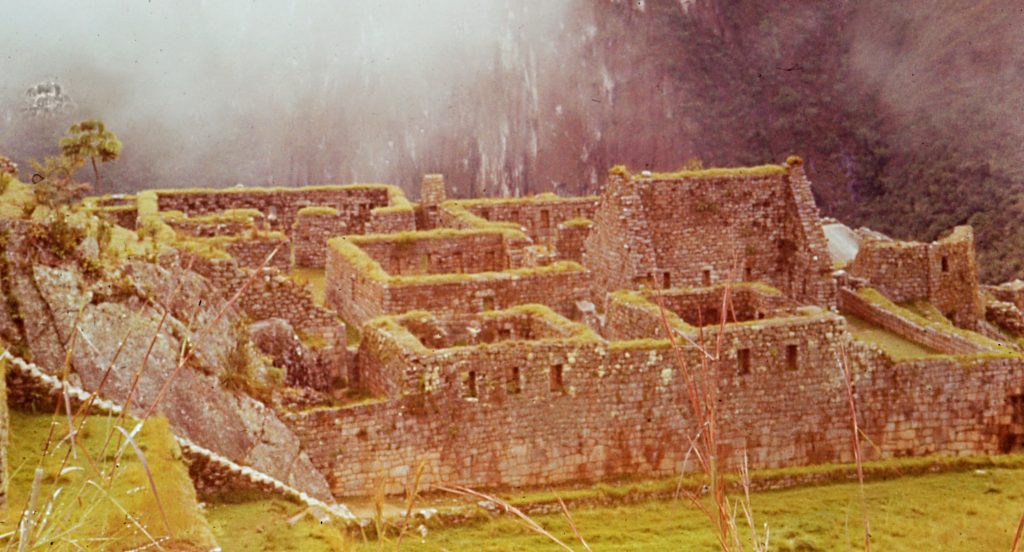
<point x="521" y="341"/>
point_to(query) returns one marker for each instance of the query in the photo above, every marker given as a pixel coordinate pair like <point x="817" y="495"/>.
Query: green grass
<point x="897" y="347"/>
<point x="250" y="523"/>
<point x="951" y="511"/>
<point x="91" y="519"/>
<point x="723" y="172"/>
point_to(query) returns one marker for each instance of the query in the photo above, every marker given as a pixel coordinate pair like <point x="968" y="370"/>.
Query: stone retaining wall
<point x="946" y="342"/>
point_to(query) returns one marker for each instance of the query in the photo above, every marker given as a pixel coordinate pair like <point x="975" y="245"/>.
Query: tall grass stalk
<point x="844" y="363"/>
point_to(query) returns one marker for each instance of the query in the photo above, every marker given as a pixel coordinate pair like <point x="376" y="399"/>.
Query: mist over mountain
<point x="908" y="115"/>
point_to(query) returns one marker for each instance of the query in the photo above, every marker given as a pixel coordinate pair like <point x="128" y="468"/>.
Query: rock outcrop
<point x="137" y="321"/>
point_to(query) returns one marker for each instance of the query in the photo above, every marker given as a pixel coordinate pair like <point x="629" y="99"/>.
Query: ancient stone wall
<point x="121" y="215"/>
<point x="570" y="238"/>
<point x="313" y="227"/>
<point x="704" y="227"/>
<point x="637" y="315"/>
<point x="618" y="408"/>
<point x="281" y="205"/>
<point x="944" y="273"/>
<point x="252" y="251"/>
<point x="538" y="215"/>
<point x="1006" y="316"/>
<point x="958" y="406"/>
<point x="509" y="420"/>
<point x="359" y="289"/>
<point x="386" y="220"/>
<point x="903" y="325"/>
<point x="234" y="222"/>
<point x="270" y="294"/>
<point x="1010" y="292"/>
<point x="439" y="252"/>
<point x="742" y="302"/>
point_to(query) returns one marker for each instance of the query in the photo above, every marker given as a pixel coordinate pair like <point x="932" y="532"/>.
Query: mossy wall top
<point x="280" y="206"/>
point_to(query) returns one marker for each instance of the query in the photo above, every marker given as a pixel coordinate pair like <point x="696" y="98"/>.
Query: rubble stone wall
<point x="252" y="251"/>
<point x="621" y="407"/>
<point x="359" y="289"/>
<point x="943" y="272"/>
<point x="271" y="294"/>
<point x="313" y="227"/>
<point x="570" y="238"/>
<point x="701" y="228"/>
<point x="945" y="342"/>
<point x="450" y="252"/>
<point x="281" y="205"/>
<point x="539" y="215"/>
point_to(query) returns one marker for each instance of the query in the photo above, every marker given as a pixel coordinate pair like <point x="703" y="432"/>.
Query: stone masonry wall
<point x="281" y="205"/>
<point x="270" y="295"/>
<point x="851" y="302"/>
<point x="387" y="220"/>
<point x="702" y="228"/>
<point x="540" y="215"/>
<point x="620" y="408"/>
<point x="1010" y="292"/>
<point x="570" y="238"/>
<point x="359" y="298"/>
<point x="312" y="228"/>
<point x="457" y="253"/>
<point x="251" y="252"/>
<point x="944" y="273"/>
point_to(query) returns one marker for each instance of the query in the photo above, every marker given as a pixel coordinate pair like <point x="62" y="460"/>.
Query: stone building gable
<point x="704" y="227"/>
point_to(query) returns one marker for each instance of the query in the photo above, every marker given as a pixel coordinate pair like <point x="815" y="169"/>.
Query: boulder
<point x="63" y="312"/>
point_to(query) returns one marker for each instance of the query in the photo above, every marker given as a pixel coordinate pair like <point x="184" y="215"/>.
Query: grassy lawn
<point x="897" y="347"/>
<point x="966" y="510"/>
<point x="251" y="523"/>
<point x="953" y="511"/>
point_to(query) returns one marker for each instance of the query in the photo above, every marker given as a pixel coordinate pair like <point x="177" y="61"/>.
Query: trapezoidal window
<point x="471" y="390"/>
<point x="706" y="277"/>
<point x="556" y="380"/>
<point x="792" y="357"/>
<point x="945" y="263"/>
<point x="514" y="384"/>
<point x="666" y="280"/>
<point x="743" y="361"/>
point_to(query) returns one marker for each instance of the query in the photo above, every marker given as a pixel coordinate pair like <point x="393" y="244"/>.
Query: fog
<point x="948" y="75"/>
<point x="213" y="93"/>
<point x="511" y="97"/>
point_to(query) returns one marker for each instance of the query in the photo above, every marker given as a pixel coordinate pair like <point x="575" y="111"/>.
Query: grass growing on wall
<point x="896" y="347"/>
<point x="878" y="299"/>
<point x="760" y="170"/>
